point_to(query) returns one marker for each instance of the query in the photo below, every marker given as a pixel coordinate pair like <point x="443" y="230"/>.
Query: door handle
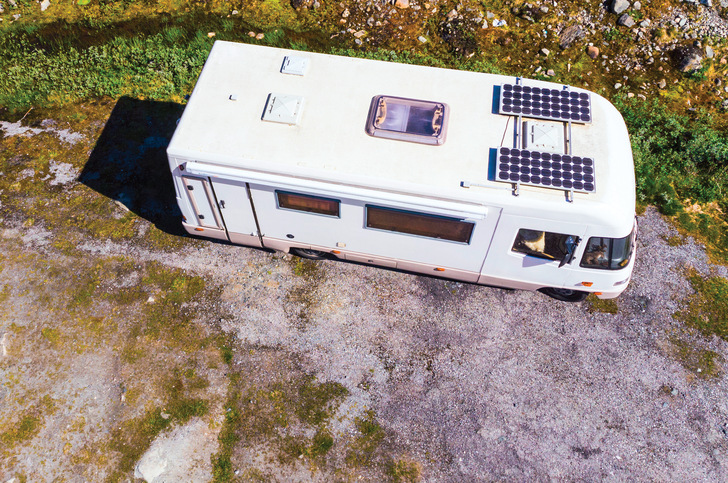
<point x="222" y="204"/>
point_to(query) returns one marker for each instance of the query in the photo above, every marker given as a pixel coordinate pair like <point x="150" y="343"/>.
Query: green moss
<point x="702" y="363"/>
<point x="316" y="401"/>
<point x="4" y="293"/>
<point x="606" y="306"/>
<point x="370" y="437"/>
<point x="403" y="470"/>
<point x="53" y="336"/>
<point x="226" y="352"/>
<point x="29" y="424"/>
<point x="675" y="241"/>
<point x="707" y="309"/>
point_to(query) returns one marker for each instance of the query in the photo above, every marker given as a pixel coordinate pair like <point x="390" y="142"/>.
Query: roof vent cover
<point x="543" y="136"/>
<point x="294" y="65"/>
<point x="283" y="108"/>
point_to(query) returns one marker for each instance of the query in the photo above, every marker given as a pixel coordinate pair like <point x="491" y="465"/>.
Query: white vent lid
<point x="283" y="108"/>
<point x="294" y="65"/>
<point x="543" y="136"/>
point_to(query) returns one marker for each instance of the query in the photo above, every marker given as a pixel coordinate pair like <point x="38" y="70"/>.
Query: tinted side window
<point x="542" y="244"/>
<point x="431" y="226"/>
<point x="308" y="203"/>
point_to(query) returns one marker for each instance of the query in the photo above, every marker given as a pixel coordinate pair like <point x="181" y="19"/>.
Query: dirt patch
<point x="300" y="371"/>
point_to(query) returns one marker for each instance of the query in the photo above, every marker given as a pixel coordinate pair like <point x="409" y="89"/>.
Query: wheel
<point x="564" y="294"/>
<point x="310" y="254"/>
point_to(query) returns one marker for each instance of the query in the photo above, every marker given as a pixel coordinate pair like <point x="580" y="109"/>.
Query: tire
<point x="309" y="254"/>
<point x="564" y="294"/>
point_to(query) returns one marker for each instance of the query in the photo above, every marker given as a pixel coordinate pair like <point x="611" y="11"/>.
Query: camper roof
<point x="316" y="116"/>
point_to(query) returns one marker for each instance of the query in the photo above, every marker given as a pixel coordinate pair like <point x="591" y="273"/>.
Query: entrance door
<point x="237" y="211"/>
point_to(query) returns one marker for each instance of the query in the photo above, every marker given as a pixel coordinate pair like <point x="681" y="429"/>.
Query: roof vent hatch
<point x="283" y="108"/>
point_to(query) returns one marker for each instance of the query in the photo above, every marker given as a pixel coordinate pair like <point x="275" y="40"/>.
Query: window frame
<point x="309" y="196"/>
<point x="449" y="219"/>
<point x="409" y="136"/>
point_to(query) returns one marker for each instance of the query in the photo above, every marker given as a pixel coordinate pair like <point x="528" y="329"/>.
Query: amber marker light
<point x="335" y="252"/>
<point x="199" y="229"/>
<point x="438" y="269"/>
<point x="587" y="284"/>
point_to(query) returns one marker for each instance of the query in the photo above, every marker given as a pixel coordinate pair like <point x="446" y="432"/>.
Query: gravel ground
<point x="472" y="383"/>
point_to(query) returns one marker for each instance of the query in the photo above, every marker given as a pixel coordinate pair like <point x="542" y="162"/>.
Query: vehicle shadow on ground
<point x="129" y="162"/>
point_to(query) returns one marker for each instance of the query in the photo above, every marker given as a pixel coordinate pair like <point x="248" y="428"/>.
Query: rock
<point x="235" y="12"/>
<point x="709" y="52"/>
<point x="210" y="34"/>
<point x="260" y="36"/>
<point x="182" y="454"/>
<point x="345" y="13"/>
<point x="723" y="61"/>
<point x="550" y="73"/>
<point x="645" y="23"/>
<point x="637" y="6"/>
<point x="626" y="21"/>
<point x="360" y="34"/>
<point x="619" y="6"/>
<point x="499" y="23"/>
<point x="570" y="35"/>
<point x="489" y="15"/>
<point x="592" y="52"/>
<point x="452" y="15"/>
<point x="422" y="39"/>
<point x="545" y="52"/>
<point x="16" y="16"/>
<point x="662" y="84"/>
<point x="13" y="4"/>
<point x="401" y="4"/>
<point x="251" y="34"/>
<point x="687" y="58"/>
<point x="44" y="5"/>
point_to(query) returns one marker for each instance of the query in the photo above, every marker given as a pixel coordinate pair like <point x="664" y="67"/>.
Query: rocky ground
<point x="130" y="351"/>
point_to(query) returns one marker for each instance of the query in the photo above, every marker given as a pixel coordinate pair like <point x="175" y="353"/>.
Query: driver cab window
<point x="541" y="244"/>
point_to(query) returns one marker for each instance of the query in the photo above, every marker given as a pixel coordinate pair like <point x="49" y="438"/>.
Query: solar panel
<point x="549" y="170"/>
<point x="545" y="103"/>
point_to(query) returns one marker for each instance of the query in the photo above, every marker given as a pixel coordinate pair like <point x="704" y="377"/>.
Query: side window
<point x="608" y="253"/>
<point x="542" y="244"/>
<point x="431" y="226"/>
<point x="308" y="203"/>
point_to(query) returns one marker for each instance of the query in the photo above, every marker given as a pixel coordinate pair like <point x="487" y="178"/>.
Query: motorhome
<point x="481" y="178"/>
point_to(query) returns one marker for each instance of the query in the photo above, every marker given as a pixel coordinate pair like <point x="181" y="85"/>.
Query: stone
<point x="662" y="84"/>
<point x="687" y="58"/>
<point x="235" y="12"/>
<point x="489" y="15"/>
<point x="210" y="34"/>
<point x="619" y="6"/>
<point x="545" y="52"/>
<point x="637" y="6"/>
<point x="626" y="21"/>
<point x="570" y="35"/>
<point x="44" y="5"/>
<point x="550" y="73"/>
<point x="402" y="4"/>
<point x="617" y="85"/>
<point x="592" y="51"/>
<point x="499" y="23"/>
<point x="709" y="52"/>
<point x="360" y="34"/>
<point x="422" y="39"/>
<point x="345" y="13"/>
<point x="260" y="36"/>
<point x="251" y="34"/>
<point x="452" y="15"/>
<point x="645" y="23"/>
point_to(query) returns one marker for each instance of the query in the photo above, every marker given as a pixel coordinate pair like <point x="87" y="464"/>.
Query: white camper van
<point x="475" y="177"/>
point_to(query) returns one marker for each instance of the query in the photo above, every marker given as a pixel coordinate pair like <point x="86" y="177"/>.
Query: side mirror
<point x="571" y="243"/>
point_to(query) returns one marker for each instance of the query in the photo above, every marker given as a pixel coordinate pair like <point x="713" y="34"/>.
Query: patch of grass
<point x="404" y="470"/>
<point x="28" y="425"/>
<point x="606" y="306"/>
<point x="132" y="438"/>
<point x="316" y="401"/>
<point x="52" y="335"/>
<point x="675" y="241"/>
<point x="707" y="309"/>
<point x="369" y="440"/>
<point x="702" y="363"/>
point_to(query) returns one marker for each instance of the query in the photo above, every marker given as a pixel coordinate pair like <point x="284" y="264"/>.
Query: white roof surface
<point x="329" y="141"/>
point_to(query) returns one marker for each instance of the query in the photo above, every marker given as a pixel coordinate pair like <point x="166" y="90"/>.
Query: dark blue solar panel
<point x="551" y="170"/>
<point x="543" y="103"/>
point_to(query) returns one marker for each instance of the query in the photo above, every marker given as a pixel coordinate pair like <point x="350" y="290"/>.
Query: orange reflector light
<point x="335" y="252"/>
<point x="439" y="269"/>
<point x="199" y="229"/>
<point x="597" y="293"/>
<point x="587" y="284"/>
